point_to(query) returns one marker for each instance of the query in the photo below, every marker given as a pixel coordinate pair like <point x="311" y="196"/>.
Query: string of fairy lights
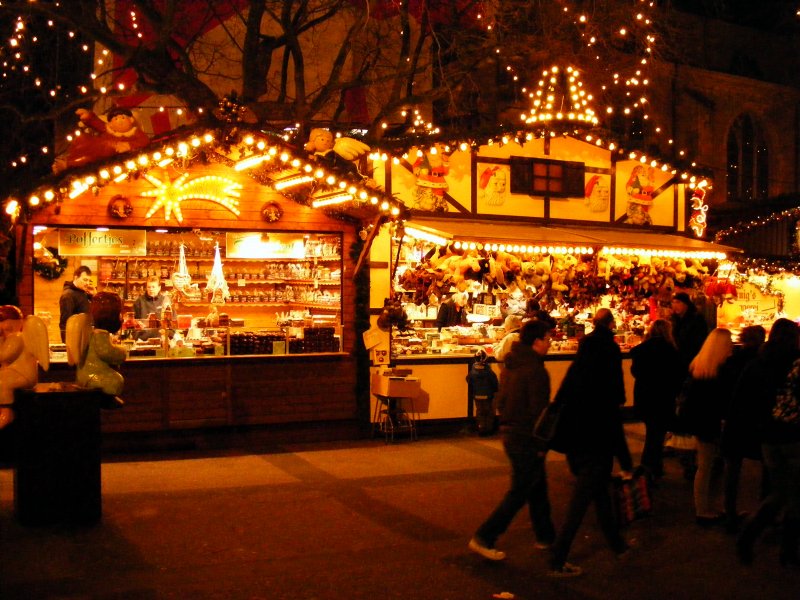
<point x="107" y="80"/>
<point x="267" y="157"/>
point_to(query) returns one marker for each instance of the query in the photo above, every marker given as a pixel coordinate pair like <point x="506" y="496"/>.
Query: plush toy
<point x="92" y="350"/>
<point x="23" y="346"/>
<point x="119" y="134"/>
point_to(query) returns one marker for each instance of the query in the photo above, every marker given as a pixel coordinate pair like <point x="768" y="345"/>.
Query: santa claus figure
<point x="120" y="133"/>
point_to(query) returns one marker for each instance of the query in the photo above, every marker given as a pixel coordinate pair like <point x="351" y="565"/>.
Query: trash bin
<point x="57" y="449"/>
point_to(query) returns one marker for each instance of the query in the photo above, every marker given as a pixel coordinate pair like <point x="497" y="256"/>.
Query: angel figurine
<point x="92" y="350"/>
<point x="339" y="153"/>
<point x="24" y="344"/>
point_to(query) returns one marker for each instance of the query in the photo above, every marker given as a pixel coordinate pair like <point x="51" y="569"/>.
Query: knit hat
<point x="683" y="297"/>
<point x="512" y="323"/>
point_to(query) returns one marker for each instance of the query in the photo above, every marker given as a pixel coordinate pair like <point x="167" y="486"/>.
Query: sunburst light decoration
<point x="170" y="193"/>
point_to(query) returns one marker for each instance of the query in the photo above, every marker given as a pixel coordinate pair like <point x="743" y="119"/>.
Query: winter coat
<point x="690" y="332"/>
<point x="73" y="301"/>
<point x="481" y="381"/>
<point x="449" y="315"/>
<point x="524" y="390"/>
<point x="658" y="375"/>
<point x="501" y="349"/>
<point x="593" y="391"/>
<point x="705" y="404"/>
<point x="144" y="305"/>
<point x="739" y="434"/>
<point x="756" y="392"/>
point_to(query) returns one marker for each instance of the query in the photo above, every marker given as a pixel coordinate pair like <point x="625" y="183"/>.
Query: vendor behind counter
<point x="453" y="311"/>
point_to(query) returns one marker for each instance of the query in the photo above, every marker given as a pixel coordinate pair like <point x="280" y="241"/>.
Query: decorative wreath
<point x="120" y="207"/>
<point x="50" y="268"/>
<point x="271" y="212"/>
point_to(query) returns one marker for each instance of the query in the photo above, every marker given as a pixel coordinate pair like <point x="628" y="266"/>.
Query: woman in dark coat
<point x="780" y="443"/>
<point x="740" y="439"/>
<point x="707" y="396"/>
<point x="657" y="370"/>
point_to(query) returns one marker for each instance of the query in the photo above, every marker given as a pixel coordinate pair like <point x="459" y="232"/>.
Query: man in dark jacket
<point x="75" y="297"/>
<point x="152" y="301"/>
<point x="689" y="328"/>
<point x="524" y="392"/>
<point x="453" y="311"/>
<point x="593" y="391"/>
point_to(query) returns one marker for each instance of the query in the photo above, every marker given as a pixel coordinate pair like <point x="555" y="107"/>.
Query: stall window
<point x="748" y="170"/>
<point x="540" y="177"/>
<point x="235" y="292"/>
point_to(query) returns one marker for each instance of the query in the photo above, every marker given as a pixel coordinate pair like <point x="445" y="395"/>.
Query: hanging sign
<point x="106" y="242"/>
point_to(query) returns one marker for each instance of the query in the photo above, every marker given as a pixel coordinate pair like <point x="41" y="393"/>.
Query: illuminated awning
<point x="505" y="232"/>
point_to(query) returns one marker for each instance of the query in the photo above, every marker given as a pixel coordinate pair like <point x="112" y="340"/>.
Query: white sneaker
<point x="489" y="553"/>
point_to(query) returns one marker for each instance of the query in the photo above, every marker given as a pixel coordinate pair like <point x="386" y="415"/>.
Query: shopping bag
<point x="631" y="497"/>
<point x="544" y="430"/>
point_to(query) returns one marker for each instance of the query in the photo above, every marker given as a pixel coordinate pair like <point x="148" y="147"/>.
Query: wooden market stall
<point x="272" y="344"/>
<point x="571" y="221"/>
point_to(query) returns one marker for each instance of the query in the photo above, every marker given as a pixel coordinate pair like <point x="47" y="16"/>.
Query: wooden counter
<point x="443" y="381"/>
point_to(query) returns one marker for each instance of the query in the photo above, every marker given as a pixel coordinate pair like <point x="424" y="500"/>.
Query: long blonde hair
<point x="715" y="351"/>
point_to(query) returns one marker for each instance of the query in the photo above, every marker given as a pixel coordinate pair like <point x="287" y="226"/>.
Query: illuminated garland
<point x="740" y="228"/>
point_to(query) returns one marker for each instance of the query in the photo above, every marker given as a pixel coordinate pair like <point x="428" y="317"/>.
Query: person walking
<point x="524" y="392"/>
<point x="657" y="372"/>
<point x="701" y="409"/>
<point x="739" y="436"/>
<point x="590" y="430"/>
<point x="762" y="380"/>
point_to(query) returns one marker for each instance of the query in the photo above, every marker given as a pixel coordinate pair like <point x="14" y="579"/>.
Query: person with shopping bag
<point x="591" y="434"/>
<point x="524" y="393"/>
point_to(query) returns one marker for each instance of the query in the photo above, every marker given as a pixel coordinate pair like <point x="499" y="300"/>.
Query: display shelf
<point x="284" y="304"/>
<point x="175" y="257"/>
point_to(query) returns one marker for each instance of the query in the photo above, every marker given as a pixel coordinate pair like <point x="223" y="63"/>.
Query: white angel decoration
<point x="91" y="349"/>
<point x="24" y="344"/>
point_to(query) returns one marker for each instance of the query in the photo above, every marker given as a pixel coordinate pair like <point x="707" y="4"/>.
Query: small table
<point x="389" y="417"/>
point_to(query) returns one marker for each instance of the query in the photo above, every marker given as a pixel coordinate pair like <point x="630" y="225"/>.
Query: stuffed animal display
<point x="553" y="279"/>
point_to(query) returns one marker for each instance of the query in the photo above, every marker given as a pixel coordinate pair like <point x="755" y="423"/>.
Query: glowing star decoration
<point x="170" y="193"/>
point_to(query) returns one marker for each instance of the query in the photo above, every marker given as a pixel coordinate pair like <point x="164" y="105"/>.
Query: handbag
<point x="685" y="416"/>
<point x="631" y="498"/>
<point x="546" y="426"/>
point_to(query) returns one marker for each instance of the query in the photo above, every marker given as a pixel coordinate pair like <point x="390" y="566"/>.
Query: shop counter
<point x="229" y="394"/>
<point x="443" y="381"/>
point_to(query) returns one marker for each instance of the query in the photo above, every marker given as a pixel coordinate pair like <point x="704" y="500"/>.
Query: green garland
<point x="48" y="269"/>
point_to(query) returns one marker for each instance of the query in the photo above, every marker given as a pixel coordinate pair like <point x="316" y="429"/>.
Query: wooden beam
<point x="362" y="259"/>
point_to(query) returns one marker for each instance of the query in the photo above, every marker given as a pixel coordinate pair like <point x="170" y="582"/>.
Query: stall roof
<point x="534" y="233"/>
